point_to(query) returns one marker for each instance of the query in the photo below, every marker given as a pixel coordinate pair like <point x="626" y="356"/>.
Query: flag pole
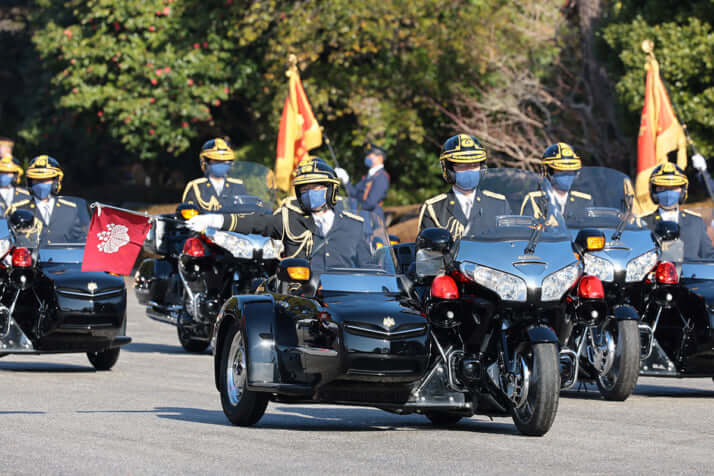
<point x="153" y="218"/>
<point x="329" y="146"/>
<point x="648" y="48"/>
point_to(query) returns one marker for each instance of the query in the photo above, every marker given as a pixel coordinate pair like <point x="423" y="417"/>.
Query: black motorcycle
<point x="48" y="305"/>
<point x="194" y="274"/>
<point x="605" y="346"/>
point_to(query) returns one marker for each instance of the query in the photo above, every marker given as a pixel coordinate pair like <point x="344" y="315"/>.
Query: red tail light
<point x="590" y="287"/>
<point x="666" y="273"/>
<point x="194" y="247"/>
<point x="444" y="287"/>
<point x="21" y="258"/>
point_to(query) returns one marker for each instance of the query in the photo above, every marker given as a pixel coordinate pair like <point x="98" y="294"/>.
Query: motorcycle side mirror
<point x="294" y="270"/>
<point x="187" y="211"/>
<point x="666" y="230"/>
<point x="22" y="220"/>
<point x="433" y="245"/>
<point x="589" y="240"/>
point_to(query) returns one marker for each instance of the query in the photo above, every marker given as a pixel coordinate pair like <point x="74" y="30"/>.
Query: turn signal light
<point x="590" y="287"/>
<point x="444" y="287"/>
<point x="299" y="273"/>
<point x="666" y="273"/>
<point x="21" y="258"/>
<point x="194" y="247"/>
<point x="595" y="243"/>
<point x="188" y="213"/>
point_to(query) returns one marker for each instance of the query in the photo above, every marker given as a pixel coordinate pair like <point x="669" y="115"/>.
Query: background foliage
<point x="104" y="85"/>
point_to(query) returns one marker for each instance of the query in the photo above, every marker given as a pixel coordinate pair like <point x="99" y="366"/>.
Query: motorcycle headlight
<point x="638" y="267"/>
<point x="558" y="283"/>
<point x="507" y="286"/>
<point x="600" y="267"/>
<point x="272" y="249"/>
<point x="238" y="247"/>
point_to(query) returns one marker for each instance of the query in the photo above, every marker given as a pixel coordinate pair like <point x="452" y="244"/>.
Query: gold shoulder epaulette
<point x="22" y="191"/>
<point x="67" y="202"/>
<point x="290" y="204"/>
<point x="196" y="181"/>
<point x="234" y="180"/>
<point x="586" y="196"/>
<point x="353" y="216"/>
<point x="690" y="212"/>
<point x="21" y="203"/>
<point x="495" y="195"/>
<point x="436" y="199"/>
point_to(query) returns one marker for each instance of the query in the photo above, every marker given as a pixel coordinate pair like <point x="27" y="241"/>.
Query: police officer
<point x="10" y="173"/>
<point x="58" y="219"/>
<point x="311" y="225"/>
<point x="560" y="164"/>
<point x="216" y="191"/>
<point x="668" y="189"/>
<point x="370" y="192"/>
<point x="461" y="158"/>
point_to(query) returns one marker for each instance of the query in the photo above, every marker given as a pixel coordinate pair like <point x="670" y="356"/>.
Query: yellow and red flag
<point x="660" y="134"/>
<point x="299" y="131"/>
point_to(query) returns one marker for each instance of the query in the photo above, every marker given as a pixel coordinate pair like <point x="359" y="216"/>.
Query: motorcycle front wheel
<point x="190" y="344"/>
<point x="535" y="416"/>
<point x="105" y="359"/>
<point x="620" y="381"/>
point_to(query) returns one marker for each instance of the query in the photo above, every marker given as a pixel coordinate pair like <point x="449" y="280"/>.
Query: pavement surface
<point x="158" y="412"/>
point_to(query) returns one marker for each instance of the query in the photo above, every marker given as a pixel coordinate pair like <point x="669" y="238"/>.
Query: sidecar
<point x="48" y="305"/>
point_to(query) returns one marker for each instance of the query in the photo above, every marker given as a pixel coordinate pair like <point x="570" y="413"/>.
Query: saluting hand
<point x="199" y="223"/>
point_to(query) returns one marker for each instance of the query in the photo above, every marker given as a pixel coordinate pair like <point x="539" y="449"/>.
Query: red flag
<point x="114" y="240"/>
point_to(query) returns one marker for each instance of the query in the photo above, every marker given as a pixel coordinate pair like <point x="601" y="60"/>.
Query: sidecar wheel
<point x="536" y="415"/>
<point x="193" y="346"/>
<point x="620" y="381"/>
<point x="105" y="359"/>
<point x="443" y="418"/>
<point x="243" y="407"/>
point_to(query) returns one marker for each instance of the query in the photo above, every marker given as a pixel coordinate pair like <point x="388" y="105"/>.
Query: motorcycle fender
<point x="542" y="334"/>
<point x="626" y="312"/>
<point x="256" y="315"/>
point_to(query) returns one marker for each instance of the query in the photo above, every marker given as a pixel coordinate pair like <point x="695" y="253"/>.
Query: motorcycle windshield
<point x="602" y="198"/>
<point x="512" y="204"/>
<point x="697" y="236"/>
<point x="259" y="187"/>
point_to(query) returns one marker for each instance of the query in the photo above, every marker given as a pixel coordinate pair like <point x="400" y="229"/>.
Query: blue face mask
<point x="368" y="162"/>
<point x="468" y="179"/>
<point x="668" y="198"/>
<point x="6" y="179"/>
<point x="42" y="190"/>
<point x="562" y="180"/>
<point x="314" y="199"/>
<point x="218" y="169"/>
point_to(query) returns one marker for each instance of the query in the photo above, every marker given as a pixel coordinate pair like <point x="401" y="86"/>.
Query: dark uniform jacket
<point x="345" y="245"/>
<point x="575" y="205"/>
<point x="692" y="231"/>
<point x="444" y="211"/>
<point x="370" y="192"/>
<point x="200" y="192"/>
<point x="69" y="221"/>
<point x="19" y="194"/>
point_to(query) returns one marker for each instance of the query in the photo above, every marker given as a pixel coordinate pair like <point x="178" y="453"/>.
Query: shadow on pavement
<point x="19" y="412"/>
<point x="47" y="367"/>
<point x="148" y="348"/>
<point x="674" y="392"/>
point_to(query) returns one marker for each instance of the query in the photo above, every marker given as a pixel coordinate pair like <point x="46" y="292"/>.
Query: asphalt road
<point x="159" y="412"/>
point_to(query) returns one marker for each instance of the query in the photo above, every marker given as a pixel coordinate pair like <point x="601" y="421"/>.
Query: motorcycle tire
<point x="241" y="406"/>
<point x="443" y="419"/>
<point x="536" y="415"/>
<point x="105" y="359"/>
<point x="619" y="383"/>
<point x="193" y="346"/>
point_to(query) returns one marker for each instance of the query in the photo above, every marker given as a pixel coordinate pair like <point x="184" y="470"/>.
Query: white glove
<point x="342" y="175"/>
<point x="199" y="223"/>
<point x="699" y="163"/>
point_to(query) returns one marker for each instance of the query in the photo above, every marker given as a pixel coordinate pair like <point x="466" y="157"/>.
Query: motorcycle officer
<point x="668" y="190"/>
<point x="215" y="191"/>
<point x="58" y="219"/>
<point x="10" y="173"/>
<point x="461" y="158"/>
<point x="311" y="225"/>
<point x="560" y="164"/>
<point x="370" y="192"/>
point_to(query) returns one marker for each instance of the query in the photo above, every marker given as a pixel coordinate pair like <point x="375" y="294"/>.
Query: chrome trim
<point x="89" y="295"/>
<point x="415" y="330"/>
